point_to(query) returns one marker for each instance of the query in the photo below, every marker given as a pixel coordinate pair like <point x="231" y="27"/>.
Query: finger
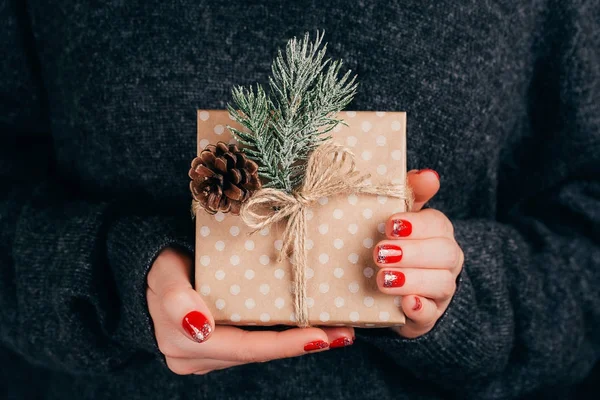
<point x="436" y="284"/>
<point x="185" y="366"/>
<point x="169" y="280"/>
<point x="339" y="336"/>
<point x="421" y="314"/>
<point x="419" y="225"/>
<point x="424" y="183"/>
<point x="437" y="253"/>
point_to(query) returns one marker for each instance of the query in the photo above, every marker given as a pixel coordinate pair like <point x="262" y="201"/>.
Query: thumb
<point x="424" y="183"/>
<point x="182" y="307"/>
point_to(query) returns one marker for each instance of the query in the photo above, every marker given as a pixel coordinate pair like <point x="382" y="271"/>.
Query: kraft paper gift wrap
<point x="238" y="275"/>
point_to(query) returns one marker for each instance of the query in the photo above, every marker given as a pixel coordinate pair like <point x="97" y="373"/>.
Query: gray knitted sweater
<point x="97" y="121"/>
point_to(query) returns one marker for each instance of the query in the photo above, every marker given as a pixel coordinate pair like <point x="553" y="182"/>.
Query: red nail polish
<point x="393" y="279"/>
<point x="340" y="342"/>
<point x="401" y="228"/>
<point x="197" y="326"/>
<point x="430" y="170"/>
<point x="418" y="304"/>
<point x="316" y="345"/>
<point x="389" y="253"/>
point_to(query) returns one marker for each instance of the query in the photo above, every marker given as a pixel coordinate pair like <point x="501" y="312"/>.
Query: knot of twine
<point x="331" y="170"/>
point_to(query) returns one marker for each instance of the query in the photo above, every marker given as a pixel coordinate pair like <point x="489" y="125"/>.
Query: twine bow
<point x="331" y="170"/>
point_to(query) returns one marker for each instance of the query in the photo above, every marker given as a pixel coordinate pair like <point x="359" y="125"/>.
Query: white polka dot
<point x="279" y="303"/>
<point x="353" y="228"/>
<point x="205" y="261"/>
<point x="235" y="318"/>
<point x="204" y="115"/>
<point x="234" y="230"/>
<point x="368" y="243"/>
<point x="205" y="290"/>
<point x="339" y="302"/>
<point x="250" y="303"/>
<point x="309" y="214"/>
<point x="323" y="229"/>
<point x="205" y="231"/>
<point x="382" y="169"/>
<point x="220" y="275"/>
<point x="366" y="155"/>
<point x="293" y="317"/>
<point x="381" y="140"/>
<point x="338" y="243"/>
<point x="219" y="129"/>
<point x="310" y="302"/>
<point x="398" y="181"/>
<point x="384" y="315"/>
<point x="397" y="155"/>
<point x="366" y="126"/>
<point x="323" y="258"/>
<point x="249" y="245"/>
<point x="264" y="317"/>
<point x="397" y="301"/>
<point x="219" y="216"/>
<point x="352" y="199"/>
<point x="310" y="244"/>
<point x="381" y="227"/>
<point x="382" y="199"/>
<point x="323" y="201"/>
<point x="351" y="141"/>
<point x="234" y="260"/>
<point x="368" y="301"/>
<point x="338" y="214"/>
<point x="338" y="272"/>
<point x="235" y="290"/>
<point x="351" y="114"/>
<point x="337" y="128"/>
<point x="396" y="125"/>
<point x="264" y="231"/>
<point x="279" y="273"/>
<point x="354" y="316"/>
<point x="324" y="316"/>
<point x="380" y="113"/>
<point x="353" y="287"/>
<point x="220" y="304"/>
<point x="264" y="259"/>
<point x="324" y="287"/>
<point x="231" y="117"/>
<point x="264" y="288"/>
<point x="204" y="143"/>
<point x="220" y="245"/>
<point x="353" y="258"/>
<point x="309" y="272"/>
<point x="249" y="274"/>
<point x="368" y="272"/>
<point x="278" y="244"/>
<point x="367" y="213"/>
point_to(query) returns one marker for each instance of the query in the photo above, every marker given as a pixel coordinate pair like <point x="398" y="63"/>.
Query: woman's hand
<point x="187" y="336"/>
<point x="420" y="261"/>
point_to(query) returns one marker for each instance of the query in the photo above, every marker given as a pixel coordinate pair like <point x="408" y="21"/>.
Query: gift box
<point x="237" y="269"/>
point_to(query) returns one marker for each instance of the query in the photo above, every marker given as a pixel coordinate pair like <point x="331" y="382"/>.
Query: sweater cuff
<point x="133" y="244"/>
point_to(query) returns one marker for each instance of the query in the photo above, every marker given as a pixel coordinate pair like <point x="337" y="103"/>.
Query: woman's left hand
<point x="420" y="260"/>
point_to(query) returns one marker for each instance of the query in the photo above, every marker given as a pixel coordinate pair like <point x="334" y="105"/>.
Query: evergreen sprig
<point x="282" y="128"/>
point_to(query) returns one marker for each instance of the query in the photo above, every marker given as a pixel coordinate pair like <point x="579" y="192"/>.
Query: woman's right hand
<point x="186" y="332"/>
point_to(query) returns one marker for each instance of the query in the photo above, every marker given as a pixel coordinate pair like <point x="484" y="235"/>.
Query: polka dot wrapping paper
<point x="237" y="272"/>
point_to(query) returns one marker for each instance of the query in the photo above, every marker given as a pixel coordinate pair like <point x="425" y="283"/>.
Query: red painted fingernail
<point x="316" y="345"/>
<point x="430" y="170"/>
<point x="197" y="326"/>
<point x="401" y="228"/>
<point x="389" y="253"/>
<point x="340" y="342"/>
<point x="418" y="304"/>
<point x="392" y="279"/>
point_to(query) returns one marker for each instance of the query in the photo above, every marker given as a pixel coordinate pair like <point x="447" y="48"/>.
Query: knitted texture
<point x="97" y="113"/>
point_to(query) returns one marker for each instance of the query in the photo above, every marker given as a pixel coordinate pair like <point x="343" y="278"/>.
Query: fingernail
<point x="401" y="228"/>
<point x="197" y="326"/>
<point x="316" y="345"/>
<point x="340" y="342"/>
<point x="392" y="279"/>
<point x="429" y="170"/>
<point x="389" y="253"/>
<point x="418" y="304"/>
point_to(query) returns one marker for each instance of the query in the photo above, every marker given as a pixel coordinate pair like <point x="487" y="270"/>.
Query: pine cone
<point x="223" y="178"/>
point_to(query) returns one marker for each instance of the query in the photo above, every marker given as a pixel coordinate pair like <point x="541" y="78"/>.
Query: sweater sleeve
<point x="526" y="313"/>
<point x="72" y="268"/>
